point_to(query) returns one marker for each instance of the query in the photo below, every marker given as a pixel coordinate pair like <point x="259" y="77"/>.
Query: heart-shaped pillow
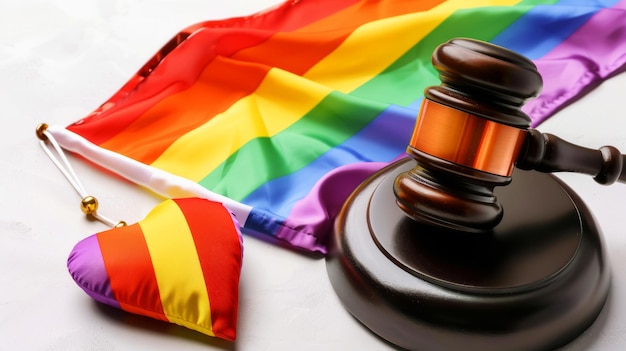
<point x="180" y="264"/>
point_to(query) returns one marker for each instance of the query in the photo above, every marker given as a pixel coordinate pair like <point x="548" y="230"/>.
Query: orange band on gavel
<point x="466" y="139"/>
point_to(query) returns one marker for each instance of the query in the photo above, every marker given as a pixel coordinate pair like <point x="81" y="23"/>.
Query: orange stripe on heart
<point x="179" y="264"/>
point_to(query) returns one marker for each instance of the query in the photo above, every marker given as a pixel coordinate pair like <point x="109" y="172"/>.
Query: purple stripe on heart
<point x="86" y="266"/>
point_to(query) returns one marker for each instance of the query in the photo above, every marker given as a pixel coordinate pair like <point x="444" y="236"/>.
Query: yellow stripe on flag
<point x="283" y="98"/>
<point x="368" y="50"/>
<point x="276" y="104"/>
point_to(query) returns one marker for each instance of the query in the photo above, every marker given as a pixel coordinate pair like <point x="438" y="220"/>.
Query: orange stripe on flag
<point x="222" y="82"/>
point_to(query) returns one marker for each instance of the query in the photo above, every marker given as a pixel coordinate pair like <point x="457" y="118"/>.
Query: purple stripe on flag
<point x="581" y="62"/>
<point x="315" y="212"/>
<point x="544" y="27"/>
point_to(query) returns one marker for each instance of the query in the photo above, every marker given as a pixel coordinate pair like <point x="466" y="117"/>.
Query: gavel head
<point x="468" y="135"/>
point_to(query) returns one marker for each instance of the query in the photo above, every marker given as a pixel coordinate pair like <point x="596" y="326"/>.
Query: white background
<point x="59" y="60"/>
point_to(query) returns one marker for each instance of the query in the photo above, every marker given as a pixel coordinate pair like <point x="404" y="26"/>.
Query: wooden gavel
<point x="471" y="133"/>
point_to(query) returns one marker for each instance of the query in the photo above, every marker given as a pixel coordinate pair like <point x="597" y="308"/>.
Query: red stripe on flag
<point x="226" y="35"/>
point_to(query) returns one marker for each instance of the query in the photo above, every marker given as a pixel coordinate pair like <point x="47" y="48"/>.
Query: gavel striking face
<point x="471" y="132"/>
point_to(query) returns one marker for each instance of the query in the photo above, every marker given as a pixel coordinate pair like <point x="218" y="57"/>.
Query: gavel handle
<point x="549" y="153"/>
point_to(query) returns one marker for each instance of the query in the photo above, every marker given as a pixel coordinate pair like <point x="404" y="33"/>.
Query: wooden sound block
<point x="534" y="282"/>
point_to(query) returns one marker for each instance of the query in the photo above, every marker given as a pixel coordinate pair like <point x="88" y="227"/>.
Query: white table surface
<point x="60" y="59"/>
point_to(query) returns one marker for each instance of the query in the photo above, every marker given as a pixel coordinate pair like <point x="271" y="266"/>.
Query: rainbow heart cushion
<point x="180" y="264"/>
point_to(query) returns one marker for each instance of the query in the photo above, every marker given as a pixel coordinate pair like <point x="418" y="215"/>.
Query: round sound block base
<point x="534" y="282"/>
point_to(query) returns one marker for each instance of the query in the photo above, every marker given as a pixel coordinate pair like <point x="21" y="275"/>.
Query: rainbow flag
<point x="281" y="114"/>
